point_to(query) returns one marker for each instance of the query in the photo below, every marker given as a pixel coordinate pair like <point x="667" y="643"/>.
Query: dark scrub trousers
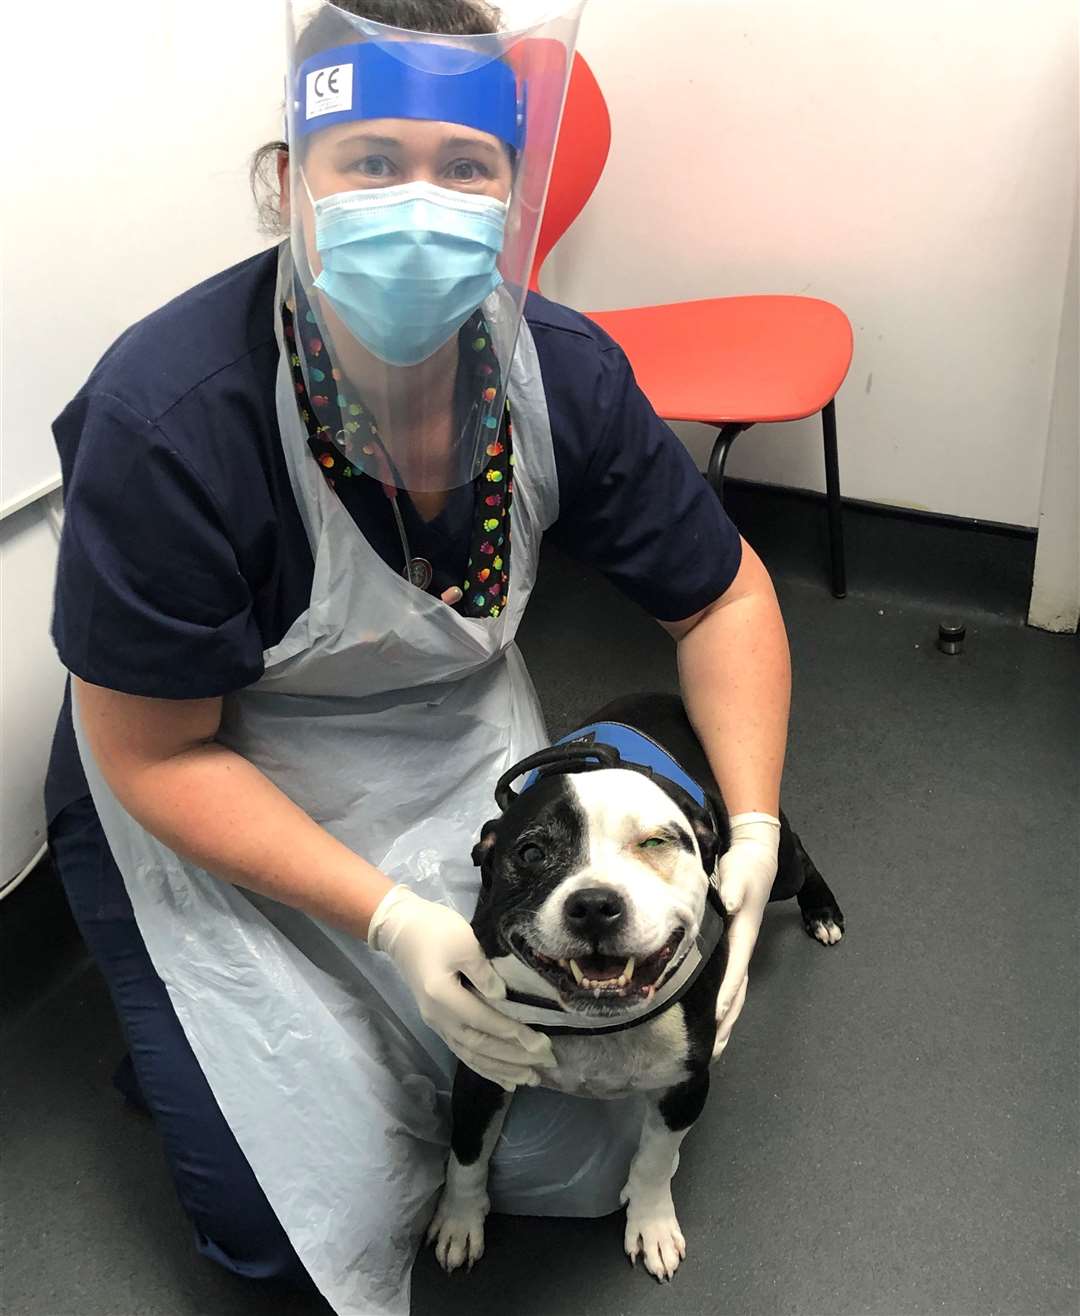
<point x="183" y="558"/>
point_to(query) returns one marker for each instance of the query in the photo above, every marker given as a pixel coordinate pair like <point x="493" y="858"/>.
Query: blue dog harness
<point x="633" y="750"/>
<point x="636" y="750"/>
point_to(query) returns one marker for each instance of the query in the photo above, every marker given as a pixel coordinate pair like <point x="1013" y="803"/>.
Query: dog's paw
<point x="655" y="1236"/>
<point x="457" y="1231"/>
<point x="824" y="925"/>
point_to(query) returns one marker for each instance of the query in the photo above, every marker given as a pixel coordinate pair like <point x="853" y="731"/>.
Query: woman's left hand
<point x="746" y="873"/>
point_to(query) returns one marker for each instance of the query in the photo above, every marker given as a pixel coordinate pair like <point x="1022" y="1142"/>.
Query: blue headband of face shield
<point x="444" y="83"/>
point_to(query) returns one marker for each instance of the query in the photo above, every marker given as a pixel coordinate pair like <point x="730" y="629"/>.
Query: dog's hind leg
<point x="822" y="916"/>
<point x="478" y="1109"/>
<point x="652" y="1229"/>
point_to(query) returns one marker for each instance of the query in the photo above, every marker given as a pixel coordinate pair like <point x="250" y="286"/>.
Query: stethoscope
<point x="418" y="571"/>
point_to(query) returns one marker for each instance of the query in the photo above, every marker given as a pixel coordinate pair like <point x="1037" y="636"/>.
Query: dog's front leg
<point x="478" y="1109"/>
<point x="652" y="1230"/>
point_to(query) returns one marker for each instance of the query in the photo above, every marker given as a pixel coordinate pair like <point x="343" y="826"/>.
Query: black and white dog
<point x="599" y="909"/>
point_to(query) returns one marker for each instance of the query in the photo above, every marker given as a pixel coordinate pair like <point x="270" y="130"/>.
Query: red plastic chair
<point x="730" y="362"/>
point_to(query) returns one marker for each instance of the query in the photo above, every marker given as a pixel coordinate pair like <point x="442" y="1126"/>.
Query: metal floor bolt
<point x="950" y="637"/>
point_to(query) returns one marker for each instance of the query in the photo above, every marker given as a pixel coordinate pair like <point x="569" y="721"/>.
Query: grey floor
<point x="894" y="1128"/>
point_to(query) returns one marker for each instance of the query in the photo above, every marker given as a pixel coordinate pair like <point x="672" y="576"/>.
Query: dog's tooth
<point x="575" y="969"/>
<point x="628" y="972"/>
<point x="596" y="991"/>
<point x="620" y="981"/>
<point x="563" y="964"/>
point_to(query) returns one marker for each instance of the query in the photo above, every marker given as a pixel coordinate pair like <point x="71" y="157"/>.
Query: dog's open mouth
<point x="610" y="978"/>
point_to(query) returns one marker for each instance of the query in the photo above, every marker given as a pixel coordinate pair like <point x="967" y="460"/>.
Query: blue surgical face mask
<point x="405" y="266"/>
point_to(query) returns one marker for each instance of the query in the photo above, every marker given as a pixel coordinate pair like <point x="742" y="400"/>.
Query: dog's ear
<point x="711" y="829"/>
<point x="708" y="837"/>
<point x="481" y="851"/>
<point x="719" y="829"/>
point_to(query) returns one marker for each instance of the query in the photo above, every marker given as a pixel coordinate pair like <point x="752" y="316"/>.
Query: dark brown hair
<point x="326" y="29"/>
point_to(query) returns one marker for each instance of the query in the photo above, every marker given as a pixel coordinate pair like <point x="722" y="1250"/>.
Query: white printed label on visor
<point x="329" y="90"/>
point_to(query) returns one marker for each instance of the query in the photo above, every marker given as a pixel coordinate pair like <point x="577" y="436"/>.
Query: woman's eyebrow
<point x="471" y="144"/>
<point x="369" y="139"/>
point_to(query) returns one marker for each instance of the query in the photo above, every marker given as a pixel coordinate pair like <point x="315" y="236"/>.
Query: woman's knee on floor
<point x="234" y="1223"/>
<point x="242" y="1234"/>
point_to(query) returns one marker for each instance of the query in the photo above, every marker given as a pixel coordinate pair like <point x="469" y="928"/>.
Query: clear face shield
<point x="418" y="167"/>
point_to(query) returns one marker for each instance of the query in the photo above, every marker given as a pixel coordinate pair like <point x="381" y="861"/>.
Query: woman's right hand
<point x="431" y="945"/>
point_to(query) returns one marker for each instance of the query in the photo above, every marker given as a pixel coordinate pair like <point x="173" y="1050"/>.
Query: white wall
<point x="126" y="182"/>
<point x="914" y="163"/>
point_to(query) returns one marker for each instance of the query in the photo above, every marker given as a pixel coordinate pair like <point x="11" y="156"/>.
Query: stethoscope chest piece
<point x="420" y="572"/>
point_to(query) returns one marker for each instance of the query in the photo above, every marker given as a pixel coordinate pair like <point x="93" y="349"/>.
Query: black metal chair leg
<point x="719" y="455"/>
<point x="832" y="494"/>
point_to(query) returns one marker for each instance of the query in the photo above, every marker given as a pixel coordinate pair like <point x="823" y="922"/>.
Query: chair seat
<point x="735" y="359"/>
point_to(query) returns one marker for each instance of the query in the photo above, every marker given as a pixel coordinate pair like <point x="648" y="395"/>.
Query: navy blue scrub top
<point x="183" y="556"/>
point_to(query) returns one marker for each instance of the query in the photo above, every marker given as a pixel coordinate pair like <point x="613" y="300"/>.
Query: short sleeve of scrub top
<point x="150" y="597"/>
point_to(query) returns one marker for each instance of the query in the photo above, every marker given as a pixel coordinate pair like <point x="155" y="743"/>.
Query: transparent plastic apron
<point x="388" y="718"/>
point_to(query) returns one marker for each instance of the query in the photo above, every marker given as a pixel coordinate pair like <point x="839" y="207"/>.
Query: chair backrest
<point x="580" y="156"/>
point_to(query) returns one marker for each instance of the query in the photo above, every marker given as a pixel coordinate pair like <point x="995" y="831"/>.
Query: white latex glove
<point x="431" y="945"/>
<point x="746" y="875"/>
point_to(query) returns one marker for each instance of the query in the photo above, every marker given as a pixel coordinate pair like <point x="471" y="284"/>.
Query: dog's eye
<point x="531" y="854"/>
<point x="651" y="842"/>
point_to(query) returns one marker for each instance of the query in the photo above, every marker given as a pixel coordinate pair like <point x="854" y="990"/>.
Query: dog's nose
<point x="594" y="911"/>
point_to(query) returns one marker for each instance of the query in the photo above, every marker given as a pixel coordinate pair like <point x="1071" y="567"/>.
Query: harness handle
<point x="568" y="758"/>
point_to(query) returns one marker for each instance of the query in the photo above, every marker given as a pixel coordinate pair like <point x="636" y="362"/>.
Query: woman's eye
<point x="373" y="166"/>
<point x="531" y="854"/>
<point x="466" y="171"/>
<point x="651" y="842"/>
